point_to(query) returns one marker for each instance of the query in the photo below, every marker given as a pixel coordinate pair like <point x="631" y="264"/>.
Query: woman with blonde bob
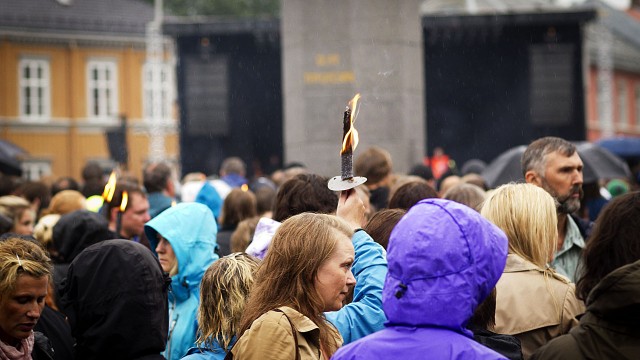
<point x="534" y="303"/>
<point x="25" y="273"/>
<point x="307" y="271"/>
<point x="223" y="293"/>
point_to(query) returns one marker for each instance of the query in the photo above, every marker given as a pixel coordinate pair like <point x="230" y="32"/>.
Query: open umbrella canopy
<point x="599" y="163"/>
<point x="505" y="168"/>
<point x="10" y="155"/>
<point x="625" y="147"/>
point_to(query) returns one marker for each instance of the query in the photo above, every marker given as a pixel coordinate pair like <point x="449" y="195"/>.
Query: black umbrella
<point x="9" y="158"/>
<point x="598" y="164"/>
<point x="505" y="168"/>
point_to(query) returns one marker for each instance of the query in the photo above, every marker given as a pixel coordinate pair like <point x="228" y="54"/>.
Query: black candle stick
<point x="346" y="154"/>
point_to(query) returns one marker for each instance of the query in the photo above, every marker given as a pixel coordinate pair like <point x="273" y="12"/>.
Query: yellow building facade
<point x="62" y="89"/>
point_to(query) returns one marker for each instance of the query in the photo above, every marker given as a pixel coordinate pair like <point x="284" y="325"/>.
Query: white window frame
<point x="167" y="92"/>
<point x="35" y="169"/>
<point x="107" y="87"/>
<point x="622" y="103"/>
<point x="42" y="84"/>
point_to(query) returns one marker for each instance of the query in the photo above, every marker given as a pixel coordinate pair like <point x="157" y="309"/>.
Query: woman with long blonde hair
<point x="534" y="303"/>
<point x="223" y="293"/>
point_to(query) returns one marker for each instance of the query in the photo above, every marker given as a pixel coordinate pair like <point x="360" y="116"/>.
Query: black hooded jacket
<point x="115" y="295"/>
<point x="73" y="233"/>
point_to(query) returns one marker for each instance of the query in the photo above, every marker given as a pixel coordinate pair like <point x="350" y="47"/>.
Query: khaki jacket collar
<point x="302" y="323"/>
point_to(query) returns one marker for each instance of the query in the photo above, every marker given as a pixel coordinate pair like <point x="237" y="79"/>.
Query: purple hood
<point x="444" y="259"/>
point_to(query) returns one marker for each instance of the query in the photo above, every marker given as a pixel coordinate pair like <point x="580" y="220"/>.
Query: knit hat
<point x="617" y="187"/>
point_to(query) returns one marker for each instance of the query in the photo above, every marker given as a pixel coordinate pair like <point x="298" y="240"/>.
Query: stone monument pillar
<point x="333" y="49"/>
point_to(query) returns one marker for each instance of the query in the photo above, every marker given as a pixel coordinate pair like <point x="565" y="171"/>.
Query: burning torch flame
<point x="125" y="200"/>
<point x="110" y="187"/>
<point x="351" y="138"/>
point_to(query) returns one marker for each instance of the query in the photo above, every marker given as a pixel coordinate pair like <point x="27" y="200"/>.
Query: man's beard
<point x="565" y="204"/>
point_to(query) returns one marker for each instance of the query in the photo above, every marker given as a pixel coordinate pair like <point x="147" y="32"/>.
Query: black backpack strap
<point x="229" y="355"/>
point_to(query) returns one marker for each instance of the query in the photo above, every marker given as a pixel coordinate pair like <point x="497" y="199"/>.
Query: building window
<point x="623" y="114"/>
<point x="165" y="85"/>
<point x="102" y="87"/>
<point x="35" y="169"/>
<point x="34" y="89"/>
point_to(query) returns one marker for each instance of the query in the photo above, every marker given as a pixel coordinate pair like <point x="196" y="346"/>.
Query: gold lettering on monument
<point x="328" y="77"/>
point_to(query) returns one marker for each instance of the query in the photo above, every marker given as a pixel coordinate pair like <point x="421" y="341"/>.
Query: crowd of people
<point x="407" y="266"/>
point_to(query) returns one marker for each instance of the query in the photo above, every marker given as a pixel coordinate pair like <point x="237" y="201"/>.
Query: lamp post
<point x="155" y="61"/>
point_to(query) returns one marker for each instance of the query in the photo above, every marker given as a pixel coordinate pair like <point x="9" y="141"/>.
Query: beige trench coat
<point x="271" y="337"/>
<point x="533" y="306"/>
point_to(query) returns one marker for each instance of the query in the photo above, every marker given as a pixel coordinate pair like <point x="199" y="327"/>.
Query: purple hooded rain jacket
<point x="444" y="260"/>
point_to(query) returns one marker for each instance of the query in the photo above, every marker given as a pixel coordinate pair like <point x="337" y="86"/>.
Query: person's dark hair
<point x="237" y="206"/>
<point x="613" y="243"/>
<point x="122" y="186"/>
<point x="233" y="165"/>
<point x="534" y="157"/>
<point x="6" y="224"/>
<point x="409" y="194"/>
<point x="294" y="164"/>
<point x="35" y="190"/>
<point x="484" y="317"/>
<point x="382" y="223"/>
<point x="155" y="177"/>
<point x="93" y="187"/>
<point x="422" y="171"/>
<point x="64" y="183"/>
<point x="9" y="184"/>
<point x="265" y="197"/>
<point x="473" y="166"/>
<point x="93" y="178"/>
<point x="304" y="193"/>
<point x="92" y="171"/>
<point x="374" y="164"/>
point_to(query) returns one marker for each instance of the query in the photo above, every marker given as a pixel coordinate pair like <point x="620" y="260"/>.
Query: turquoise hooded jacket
<point x="191" y="230"/>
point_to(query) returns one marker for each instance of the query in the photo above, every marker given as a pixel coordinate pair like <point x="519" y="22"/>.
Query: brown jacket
<point x="533" y="306"/>
<point x="270" y="337"/>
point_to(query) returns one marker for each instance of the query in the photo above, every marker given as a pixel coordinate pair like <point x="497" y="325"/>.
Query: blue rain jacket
<point x="217" y="353"/>
<point x="444" y="259"/>
<point x="364" y="314"/>
<point x="191" y="230"/>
